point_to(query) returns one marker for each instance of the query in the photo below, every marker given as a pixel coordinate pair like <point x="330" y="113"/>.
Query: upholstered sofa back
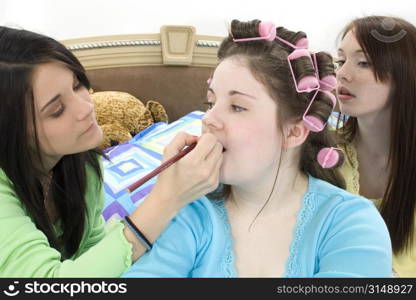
<point x="171" y="67"/>
<point x="179" y="89"/>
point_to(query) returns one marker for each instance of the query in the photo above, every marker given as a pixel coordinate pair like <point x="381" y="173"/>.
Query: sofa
<point x="171" y="67"/>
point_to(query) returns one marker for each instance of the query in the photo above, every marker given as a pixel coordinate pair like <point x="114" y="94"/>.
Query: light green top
<point x="404" y="264"/>
<point x="25" y="251"/>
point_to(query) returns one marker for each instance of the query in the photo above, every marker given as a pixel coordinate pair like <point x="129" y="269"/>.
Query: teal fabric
<point x="337" y="234"/>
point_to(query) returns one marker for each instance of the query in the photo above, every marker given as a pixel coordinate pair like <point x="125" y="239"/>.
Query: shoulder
<point x="344" y="208"/>
<point x="185" y="240"/>
<point x="324" y="190"/>
<point x="94" y="193"/>
<point x="333" y="199"/>
<point x="349" y="169"/>
<point x="350" y="155"/>
<point x="196" y="224"/>
<point x="198" y="215"/>
<point x="4" y="180"/>
<point x="10" y="203"/>
<point x="93" y="180"/>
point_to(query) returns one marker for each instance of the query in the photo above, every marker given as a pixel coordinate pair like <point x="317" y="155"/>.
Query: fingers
<point x="213" y="164"/>
<point x="207" y="155"/>
<point x="216" y="173"/>
<point x="215" y="155"/>
<point x="206" y="144"/>
<point x="181" y="140"/>
<point x="197" y="173"/>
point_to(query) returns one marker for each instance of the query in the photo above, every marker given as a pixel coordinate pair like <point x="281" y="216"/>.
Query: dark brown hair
<point x="20" y="52"/>
<point x="267" y="61"/>
<point x="393" y="61"/>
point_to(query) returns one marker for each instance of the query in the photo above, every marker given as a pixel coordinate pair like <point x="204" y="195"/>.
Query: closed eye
<point x="78" y="85"/>
<point x="209" y="105"/>
<point x="364" y="64"/>
<point x="340" y="62"/>
<point x="58" y="112"/>
<point x="237" y="108"/>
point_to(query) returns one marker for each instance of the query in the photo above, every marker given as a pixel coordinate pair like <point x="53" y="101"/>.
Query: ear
<point x="294" y="134"/>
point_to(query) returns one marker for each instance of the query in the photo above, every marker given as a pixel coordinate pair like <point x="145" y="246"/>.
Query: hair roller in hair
<point x="328" y="157"/>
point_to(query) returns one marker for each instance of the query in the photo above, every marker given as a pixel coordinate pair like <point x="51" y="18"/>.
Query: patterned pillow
<point x="139" y="156"/>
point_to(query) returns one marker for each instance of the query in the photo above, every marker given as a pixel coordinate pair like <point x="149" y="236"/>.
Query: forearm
<point x="151" y="218"/>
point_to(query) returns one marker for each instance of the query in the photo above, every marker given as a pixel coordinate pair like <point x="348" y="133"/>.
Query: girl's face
<point x="243" y="117"/>
<point x="358" y="91"/>
<point x="65" y="117"/>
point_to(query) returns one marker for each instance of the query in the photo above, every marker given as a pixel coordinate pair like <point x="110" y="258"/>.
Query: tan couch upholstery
<point x="179" y="89"/>
<point x="171" y="67"/>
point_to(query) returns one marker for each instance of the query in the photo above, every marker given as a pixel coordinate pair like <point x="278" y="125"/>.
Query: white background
<point x="322" y="20"/>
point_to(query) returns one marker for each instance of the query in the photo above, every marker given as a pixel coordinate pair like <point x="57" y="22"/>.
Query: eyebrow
<point x="356" y="51"/>
<point x="234" y="92"/>
<point x="50" y="102"/>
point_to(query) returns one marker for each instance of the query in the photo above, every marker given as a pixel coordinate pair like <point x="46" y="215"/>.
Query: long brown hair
<point x="267" y="61"/>
<point x="20" y="52"/>
<point x="391" y="50"/>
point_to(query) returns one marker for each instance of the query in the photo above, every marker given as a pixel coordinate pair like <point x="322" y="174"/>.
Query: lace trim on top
<point x="303" y="217"/>
<point x="227" y="263"/>
<point x="292" y="263"/>
<point x="352" y="160"/>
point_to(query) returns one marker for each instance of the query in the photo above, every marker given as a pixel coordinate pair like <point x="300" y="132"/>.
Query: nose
<point x="343" y="73"/>
<point x="212" y="120"/>
<point x="85" y="107"/>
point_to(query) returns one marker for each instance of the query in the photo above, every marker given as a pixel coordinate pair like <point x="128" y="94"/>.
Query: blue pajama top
<point x="337" y="234"/>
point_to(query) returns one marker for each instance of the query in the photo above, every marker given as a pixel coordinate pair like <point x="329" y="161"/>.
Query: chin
<point x="346" y="111"/>
<point x="228" y="180"/>
<point x="224" y="178"/>
<point x="94" y="142"/>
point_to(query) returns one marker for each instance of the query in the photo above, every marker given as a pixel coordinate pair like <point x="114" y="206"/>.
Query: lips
<point x="223" y="148"/>
<point x="343" y="91"/>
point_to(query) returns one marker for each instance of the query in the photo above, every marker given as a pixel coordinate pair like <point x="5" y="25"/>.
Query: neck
<point x="251" y="198"/>
<point x="49" y="162"/>
<point x="373" y="136"/>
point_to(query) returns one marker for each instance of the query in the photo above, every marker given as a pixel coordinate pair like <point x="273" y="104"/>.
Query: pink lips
<point x="344" y="94"/>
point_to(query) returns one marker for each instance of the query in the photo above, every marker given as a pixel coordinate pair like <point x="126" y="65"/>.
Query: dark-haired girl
<point x="51" y="190"/>
<point x="377" y="88"/>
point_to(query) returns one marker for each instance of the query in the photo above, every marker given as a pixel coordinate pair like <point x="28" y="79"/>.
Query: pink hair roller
<point x="314" y="123"/>
<point x="307" y="83"/>
<point x="328" y="157"/>
<point x="267" y="31"/>
<point x="302" y="43"/>
<point x="328" y="83"/>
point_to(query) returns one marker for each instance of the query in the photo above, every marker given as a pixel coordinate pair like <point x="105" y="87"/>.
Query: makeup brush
<point x="162" y="167"/>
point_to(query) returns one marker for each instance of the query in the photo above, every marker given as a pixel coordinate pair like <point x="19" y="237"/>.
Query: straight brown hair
<point x="20" y="52"/>
<point x="391" y="51"/>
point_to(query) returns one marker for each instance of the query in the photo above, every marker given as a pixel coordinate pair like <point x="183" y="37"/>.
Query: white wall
<point x="320" y="19"/>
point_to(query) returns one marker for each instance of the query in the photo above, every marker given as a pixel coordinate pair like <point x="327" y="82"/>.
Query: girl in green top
<point x="51" y="191"/>
<point x="377" y="89"/>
